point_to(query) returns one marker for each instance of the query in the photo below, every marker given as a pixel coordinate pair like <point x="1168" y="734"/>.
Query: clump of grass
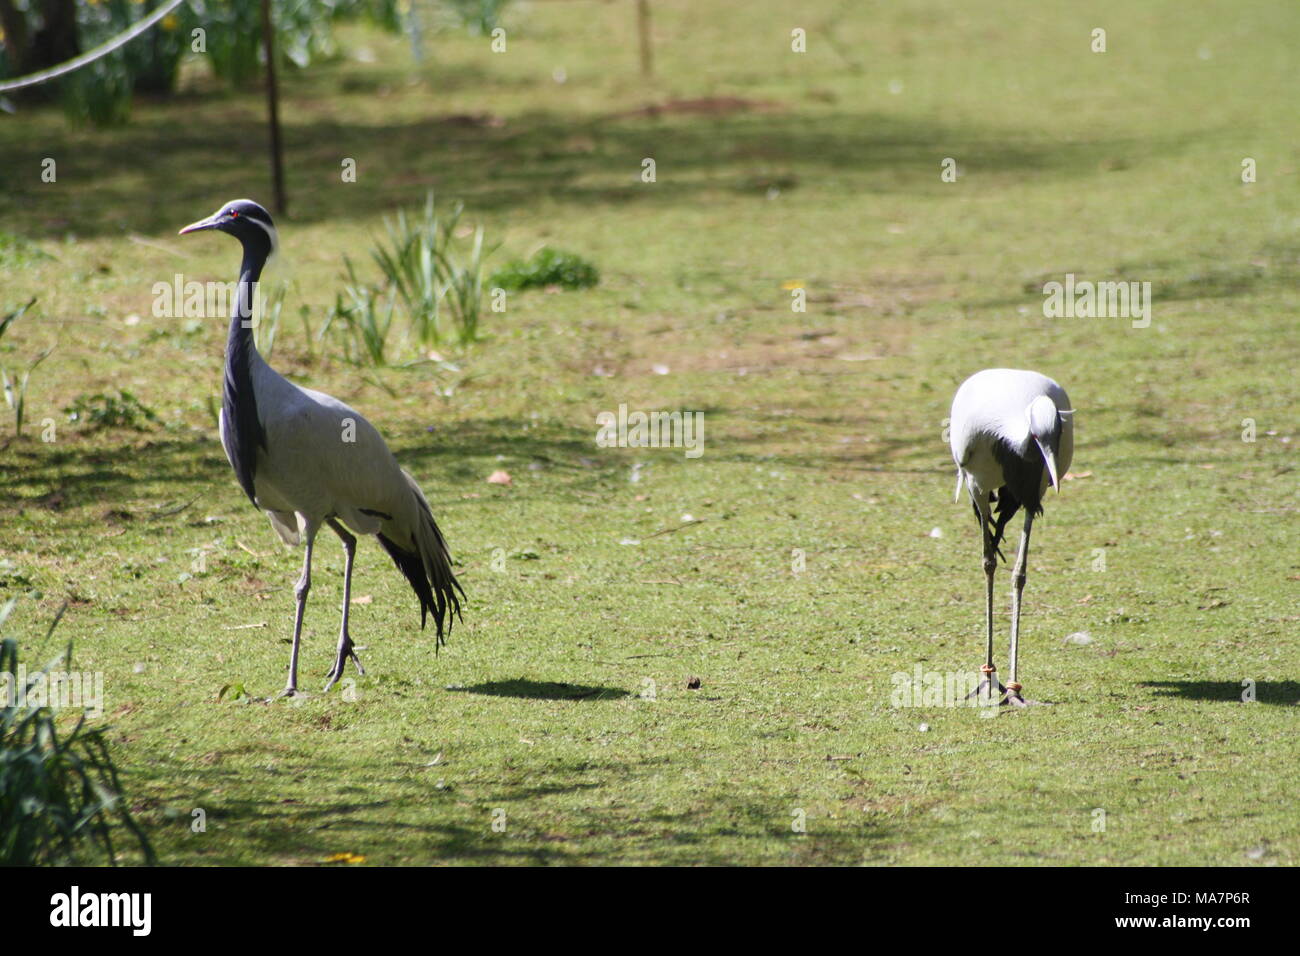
<point x="59" y="791"/>
<point x="427" y="272"/>
<point x="363" y="321"/>
<point x="122" y="410"/>
<point x="15" y="391"/>
<point x="547" y="267"/>
<point x="425" y="268"/>
<point x="267" y="325"/>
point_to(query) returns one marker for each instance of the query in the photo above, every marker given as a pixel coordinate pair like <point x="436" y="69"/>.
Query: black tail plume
<point x="428" y="569"/>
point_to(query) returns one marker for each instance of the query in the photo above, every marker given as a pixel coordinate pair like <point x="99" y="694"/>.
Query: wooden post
<point x="643" y="28"/>
<point x="273" y="112"/>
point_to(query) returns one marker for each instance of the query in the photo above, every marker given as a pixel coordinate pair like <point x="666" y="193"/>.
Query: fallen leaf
<point x="499" y="477"/>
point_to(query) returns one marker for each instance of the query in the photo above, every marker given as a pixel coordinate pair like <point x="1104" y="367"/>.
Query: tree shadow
<point x="323" y="806"/>
<point x="167" y="168"/>
<point x="1285" y="693"/>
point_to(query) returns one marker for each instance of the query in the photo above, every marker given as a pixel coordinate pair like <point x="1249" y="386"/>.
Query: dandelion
<point x="345" y="858"/>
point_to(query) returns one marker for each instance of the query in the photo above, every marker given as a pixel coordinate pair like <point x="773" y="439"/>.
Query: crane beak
<point x="1050" y="458"/>
<point x="210" y="223"/>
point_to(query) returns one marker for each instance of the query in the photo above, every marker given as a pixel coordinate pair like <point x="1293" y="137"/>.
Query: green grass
<point x="823" y="433"/>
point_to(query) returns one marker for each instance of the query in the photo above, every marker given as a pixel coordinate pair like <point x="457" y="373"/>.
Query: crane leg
<point x="1017" y="589"/>
<point x="988" y="671"/>
<point x="300" y="591"/>
<point x="346" y="648"/>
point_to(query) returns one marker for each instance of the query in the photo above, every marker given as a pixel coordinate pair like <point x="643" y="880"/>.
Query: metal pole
<point x="273" y="111"/>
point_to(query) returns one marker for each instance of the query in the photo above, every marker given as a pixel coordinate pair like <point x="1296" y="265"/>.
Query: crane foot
<point x="990" y="680"/>
<point x="346" y="650"/>
<point x="1015" y="699"/>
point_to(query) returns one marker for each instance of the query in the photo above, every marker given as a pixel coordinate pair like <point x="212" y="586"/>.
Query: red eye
<point x="234" y="214"/>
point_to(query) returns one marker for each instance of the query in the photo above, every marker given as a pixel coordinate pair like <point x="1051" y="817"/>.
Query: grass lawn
<point x="560" y="709"/>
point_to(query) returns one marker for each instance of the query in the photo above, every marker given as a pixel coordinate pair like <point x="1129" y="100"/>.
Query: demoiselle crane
<point x="1012" y="435"/>
<point x="308" y="460"/>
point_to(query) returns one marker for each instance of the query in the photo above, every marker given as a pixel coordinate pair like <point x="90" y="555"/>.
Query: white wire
<point x="32" y="79"/>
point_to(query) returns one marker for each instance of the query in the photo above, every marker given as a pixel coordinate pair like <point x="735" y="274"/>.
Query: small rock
<point x="1078" y="637"/>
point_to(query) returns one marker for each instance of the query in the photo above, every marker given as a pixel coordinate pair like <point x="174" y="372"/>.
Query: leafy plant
<point x="59" y="791"/>
<point x="547" y="267"/>
<point x="123" y="410"/>
<point x="481" y="17"/>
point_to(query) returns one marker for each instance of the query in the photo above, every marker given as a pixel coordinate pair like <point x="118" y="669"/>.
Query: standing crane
<point x="1012" y="434"/>
<point x="308" y="460"/>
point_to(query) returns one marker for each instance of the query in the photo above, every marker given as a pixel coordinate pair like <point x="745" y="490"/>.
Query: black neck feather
<point x="244" y="433"/>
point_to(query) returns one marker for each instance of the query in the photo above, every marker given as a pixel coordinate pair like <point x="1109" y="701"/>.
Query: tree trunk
<point x="17" y="39"/>
<point x="56" y="40"/>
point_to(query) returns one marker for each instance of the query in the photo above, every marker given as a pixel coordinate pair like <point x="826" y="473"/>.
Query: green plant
<point x="59" y="789"/>
<point x="9" y="318"/>
<point x="424" y="268"/>
<point x="364" y="322"/>
<point x="15" y="390"/>
<point x="123" y="410"/>
<point x="480" y="17"/>
<point x="267" y="324"/>
<point x="547" y="267"/>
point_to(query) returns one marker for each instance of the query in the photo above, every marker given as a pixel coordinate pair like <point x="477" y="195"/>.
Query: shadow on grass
<point x="542" y="690"/>
<point x="1284" y="692"/>
<point x="113" y="468"/>
<point x="560" y="811"/>
<point x="496" y="166"/>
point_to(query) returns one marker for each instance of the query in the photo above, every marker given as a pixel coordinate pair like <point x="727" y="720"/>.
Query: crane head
<point x="1045" y="429"/>
<point x="246" y="221"/>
